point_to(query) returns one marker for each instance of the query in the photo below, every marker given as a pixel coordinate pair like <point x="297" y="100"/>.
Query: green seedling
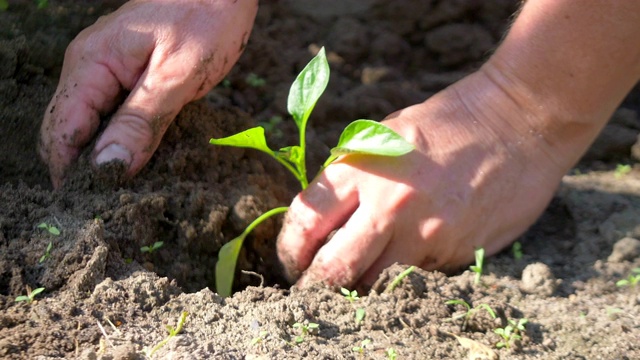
<point x="350" y="295"/>
<point x="632" y="280"/>
<point x="511" y="332"/>
<point x="255" y="81"/>
<point x="360" y="314"/>
<point x="516" y="249"/>
<point x="360" y="348"/>
<point x="398" y="279"/>
<point x="477" y="268"/>
<point x="150" y="249"/>
<point x="47" y="253"/>
<point x="622" y="170"/>
<point x="305" y="329"/>
<point x="50" y="228"/>
<point x="359" y="137"/>
<point x="172" y="333"/>
<point x="30" y="295"/>
<point x="470" y="312"/>
<point x="262" y="336"/>
<point x="391" y="353"/>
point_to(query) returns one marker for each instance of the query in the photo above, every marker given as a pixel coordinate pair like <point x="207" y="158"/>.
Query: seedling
<point x="477" y="268"/>
<point x="391" y="353"/>
<point x="350" y="295"/>
<point x="516" y="248"/>
<point x="30" y="295"/>
<point x="172" y="332"/>
<point x="255" y="81"/>
<point x="632" y="280"/>
<point x="305" y="329"/>
<point x="360" y="348"/>
<point x="151" y="248"/>
<point x="359" y="137"/>
<point x="47" y="253"/>
<point x="50" y="228"/>
<point x="360" y="314"/>
<point x="468" y="314"/>
<point x="622" y="170"/>
<point x="511" y="332"/>
<point x="260" y="338"/>
<point x="398" y="279"/>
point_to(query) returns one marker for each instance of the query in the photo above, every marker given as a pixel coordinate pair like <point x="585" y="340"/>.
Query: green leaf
<point x="54" y="230"/>
<point x="36" y="292"/>
<point x="292" y="154"/>
<point x="252" y="138"/>
<point x="226" y="265"/>
<point x="369" y="137"/>
<point x="307" y="88"/>
<point x="22" y="298"/>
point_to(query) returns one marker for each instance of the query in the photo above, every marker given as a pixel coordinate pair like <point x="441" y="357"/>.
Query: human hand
<point x="164" y="53"/>
<point x="478" y="178"/>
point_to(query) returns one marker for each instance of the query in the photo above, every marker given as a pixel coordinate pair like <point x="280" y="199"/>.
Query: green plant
<point x="47" y="253"/>
<point x="632" y="280"/>
<point x="255" y="81"/>
<point x="305" y="329"/>
<point x="350" y="295"/>
<point x="172" y="332"/>
<point x="151" y="248"/>
<point x="478" y="267"/>
<point x="41" y="4"/>
<point x="30" y="295"/>
<point x="50" y="228"/>
<point x="360" y="348"/>
<point x="260" y="338"/>
<point x="398" y="279"/>
<point x="622" y="170"/>
<point x="359" y="137"/>
<point x="4" y="5"/>
<point x="468" y="314"/>
<point x="511" y="332"/>
<point x="391" y="353"/>
<point x="360" y="314"/>
<point x="516" y="249"/>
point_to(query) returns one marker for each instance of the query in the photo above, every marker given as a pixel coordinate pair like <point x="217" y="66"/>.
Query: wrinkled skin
<point x="163" y="53"/>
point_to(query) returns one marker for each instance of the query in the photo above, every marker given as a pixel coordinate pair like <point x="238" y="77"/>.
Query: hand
<point x="476" y="179"/>
<point x="163" y="53"/>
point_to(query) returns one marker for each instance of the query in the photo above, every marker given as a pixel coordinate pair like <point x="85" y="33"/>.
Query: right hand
<point x="164" y="53"/>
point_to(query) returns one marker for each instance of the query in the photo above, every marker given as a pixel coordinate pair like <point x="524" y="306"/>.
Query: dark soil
<point x="106" y="299"/>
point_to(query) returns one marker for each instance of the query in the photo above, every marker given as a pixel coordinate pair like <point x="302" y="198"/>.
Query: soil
<point x="105" y="299"/>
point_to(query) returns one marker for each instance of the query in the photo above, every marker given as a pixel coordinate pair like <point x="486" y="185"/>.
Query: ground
<point x="105" y="299"/>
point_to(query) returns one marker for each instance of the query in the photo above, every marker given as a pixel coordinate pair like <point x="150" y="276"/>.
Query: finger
<point x="73" y="115"/>
<point x="323" y="207"/>
<point x="350" y="252"/>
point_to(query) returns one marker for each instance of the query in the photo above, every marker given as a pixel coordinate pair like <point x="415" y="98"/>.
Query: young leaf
<point x="369" y="137"/>
<point x="252" y="138"/>
<point x="226" y="265"/>
<point x="307" y="88"/>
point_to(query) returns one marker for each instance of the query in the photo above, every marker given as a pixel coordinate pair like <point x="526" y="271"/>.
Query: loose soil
<point x="105" y="299"/>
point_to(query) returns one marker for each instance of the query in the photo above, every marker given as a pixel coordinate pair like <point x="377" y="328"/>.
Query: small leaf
<point x="36" y="292"/>
<point x="22" y="298"/>
<point x="369" y="137"/>
<point x="226" y="265"/>
<point x="292" y="154"/>
<point x="307" y="88"/>
<point x="251" y="138"/>
<point x="54" y="230"/>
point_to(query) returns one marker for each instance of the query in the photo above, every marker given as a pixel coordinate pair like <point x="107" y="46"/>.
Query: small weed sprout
<point x="52" y="229"/>
<point x="622" y="170"/>
<point x="360" y="348"/>
<point x="516" y="249"/>
<point x="305" y="329"/>
<point x="255" y="81"/>
<point x="511" y="332"/>
<point x="478" y="267"/>
<point x="631" y="281"/>
<point x="398" y="279"/>
<point x="29" y="298"/>
<point x="468" y="314"/>
<point x="360" y="314"/>
<point x="391" y="353"/>
<point x="150" y="249"/>
<point x="350" y="295"/>
<point x="47" y="253"/>
<point x="262" y="336"/>
<point x="172" y="333"/>
<point x="359" y="137"/>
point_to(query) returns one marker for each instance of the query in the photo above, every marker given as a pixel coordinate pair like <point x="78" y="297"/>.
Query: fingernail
<point x="114" y="152"/>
